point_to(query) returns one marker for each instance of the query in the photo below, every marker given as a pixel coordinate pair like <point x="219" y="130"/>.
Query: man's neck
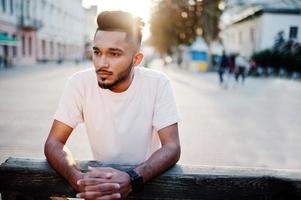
<point x="125" y="84"/>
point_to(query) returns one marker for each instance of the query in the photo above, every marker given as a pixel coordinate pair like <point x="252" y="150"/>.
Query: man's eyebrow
<point x="110" y="49"/>
<point x="116" y="49"/>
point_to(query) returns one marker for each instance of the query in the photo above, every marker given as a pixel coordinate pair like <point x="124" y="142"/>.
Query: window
<point x="293" y="32"/>
<point x="29" y="45"/>
<point x="59" y="49"/>
<point x="51" y="49"/>
<point x="11" y="5"/>
<point x="43" y="47"/>
<point x="23" y="45"/>
<point x="252" y="35"/>
<point x="239" y="37"/>
<point x="3" y="3"/>
<point x="27" y="8"/>
<point x="14" y="51"/>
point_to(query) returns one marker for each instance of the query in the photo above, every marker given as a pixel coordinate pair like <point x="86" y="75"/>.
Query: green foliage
<point x="263" y="58"/>
<point x="210" y="20"/>
<point x="283" y="57"/>
<point x="176" y="22"/>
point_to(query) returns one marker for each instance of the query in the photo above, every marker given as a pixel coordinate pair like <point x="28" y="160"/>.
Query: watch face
<point x="136" y="181"/>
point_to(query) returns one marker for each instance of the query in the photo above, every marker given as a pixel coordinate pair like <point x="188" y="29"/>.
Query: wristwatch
<point x="136" y="181"/>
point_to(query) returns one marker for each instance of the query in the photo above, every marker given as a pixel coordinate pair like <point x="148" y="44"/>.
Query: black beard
<point x="121" y="77"/>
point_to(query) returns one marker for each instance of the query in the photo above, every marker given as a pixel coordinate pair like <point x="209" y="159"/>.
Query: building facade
<point x="90" y="26"/>
<point x="45" y="30"/>
<point x="8" y="28"/>
<point x="62" y="35"/>
<point x="255" y="28"/>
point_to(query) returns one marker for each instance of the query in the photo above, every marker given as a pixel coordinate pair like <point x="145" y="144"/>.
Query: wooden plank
<point x="37" y="179"/>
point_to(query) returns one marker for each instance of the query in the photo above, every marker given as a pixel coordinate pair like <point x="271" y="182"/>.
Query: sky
<point x="139" y="8"/>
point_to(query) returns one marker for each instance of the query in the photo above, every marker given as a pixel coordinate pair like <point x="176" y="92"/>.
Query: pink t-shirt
<point x="121" y="127"/>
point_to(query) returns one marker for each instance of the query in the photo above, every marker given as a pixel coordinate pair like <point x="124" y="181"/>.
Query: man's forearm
<point x="60" y="158"/>
<point x="159" y="161"/>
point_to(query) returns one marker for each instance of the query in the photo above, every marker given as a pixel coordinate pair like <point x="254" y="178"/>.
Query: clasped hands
<point x="104" y="183"/>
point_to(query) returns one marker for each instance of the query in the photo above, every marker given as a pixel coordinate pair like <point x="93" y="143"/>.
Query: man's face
<point x="113" y="59"/>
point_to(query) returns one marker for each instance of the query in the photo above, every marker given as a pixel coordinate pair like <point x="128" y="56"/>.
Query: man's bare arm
<point x="59" y="156"/>
<point x="163" y="158"/>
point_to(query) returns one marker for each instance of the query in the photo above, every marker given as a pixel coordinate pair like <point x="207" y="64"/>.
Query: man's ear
<point x="138" y="58"/>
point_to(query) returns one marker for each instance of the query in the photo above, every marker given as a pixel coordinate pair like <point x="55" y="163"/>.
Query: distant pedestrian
<point x="230" y="70"/>
<point x="179" y="60"/>
<point x="241" y="65"/>
<point x="253" y="66"/>
<point x="231" y="65"/>
<point x="186" y="59"/>
<point x="223" y="66"/>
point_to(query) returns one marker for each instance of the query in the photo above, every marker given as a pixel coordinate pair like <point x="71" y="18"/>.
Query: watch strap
<point x="136" y="181"/>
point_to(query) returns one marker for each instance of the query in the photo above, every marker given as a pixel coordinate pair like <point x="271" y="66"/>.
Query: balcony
<point x="29" y="23"/>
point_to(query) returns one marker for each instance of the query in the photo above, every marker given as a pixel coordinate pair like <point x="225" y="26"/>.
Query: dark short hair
<point x="120" y="21"/>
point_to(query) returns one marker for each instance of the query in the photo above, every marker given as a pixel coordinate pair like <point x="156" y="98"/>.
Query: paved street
<point x="256" y="124"/>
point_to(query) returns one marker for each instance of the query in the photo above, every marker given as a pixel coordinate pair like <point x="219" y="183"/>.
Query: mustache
<point x="103" y="71"/>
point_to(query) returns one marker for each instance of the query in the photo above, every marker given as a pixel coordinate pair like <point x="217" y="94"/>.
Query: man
<point x="241" y="66"/>
<point x="129" y="113"/>
<point x="223" y="65"/>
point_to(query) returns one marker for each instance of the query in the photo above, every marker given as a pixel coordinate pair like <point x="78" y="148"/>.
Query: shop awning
<point x="7" y="40"/>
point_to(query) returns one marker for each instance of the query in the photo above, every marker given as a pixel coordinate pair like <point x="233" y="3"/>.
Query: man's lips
<point x="103" y="73"/>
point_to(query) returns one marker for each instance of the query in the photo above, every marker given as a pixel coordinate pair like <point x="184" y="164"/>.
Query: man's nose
<point x="102" y="62"/>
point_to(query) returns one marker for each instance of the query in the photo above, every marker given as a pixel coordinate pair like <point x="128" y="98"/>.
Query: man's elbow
<point x="48" y="147"/>
<point x="176" y="152"/>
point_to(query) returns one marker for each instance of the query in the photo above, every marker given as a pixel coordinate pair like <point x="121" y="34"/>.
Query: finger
<point x="88" y="195"/>
<point x="105" y="187"/>
<point x="103" y="169"/>
<point x="109" y="197"/>
<point x="90" y="181"/>
<point x="98" y="174"/>
<point x="106" y="169"/>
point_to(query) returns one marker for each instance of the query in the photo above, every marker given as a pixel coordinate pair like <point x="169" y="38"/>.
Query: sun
<point x="139" y="8"/>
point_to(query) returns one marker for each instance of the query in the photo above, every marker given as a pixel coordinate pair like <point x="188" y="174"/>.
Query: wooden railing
<point x="32" y="179"/>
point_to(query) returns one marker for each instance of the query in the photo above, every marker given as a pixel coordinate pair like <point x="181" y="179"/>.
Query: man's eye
<point x="115" y="54"/>
<point x="96" y="53"/>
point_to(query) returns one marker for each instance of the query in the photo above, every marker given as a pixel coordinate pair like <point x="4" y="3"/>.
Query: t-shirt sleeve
<point x="70" y="109"/>
<point x="165" y="111"/>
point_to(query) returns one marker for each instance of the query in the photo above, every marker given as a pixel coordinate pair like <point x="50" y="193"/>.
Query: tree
<point x="176" y="22"/>
<point x="279" y="40"/>
<point x="210" y="23"/>
<point x="162" y="23"/>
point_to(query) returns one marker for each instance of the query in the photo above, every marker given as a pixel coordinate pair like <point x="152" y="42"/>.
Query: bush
<point x="287" y="59"/>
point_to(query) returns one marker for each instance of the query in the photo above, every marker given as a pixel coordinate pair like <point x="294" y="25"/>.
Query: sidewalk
<point x="241" y="126"/>
<point x="39" y="67"/>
